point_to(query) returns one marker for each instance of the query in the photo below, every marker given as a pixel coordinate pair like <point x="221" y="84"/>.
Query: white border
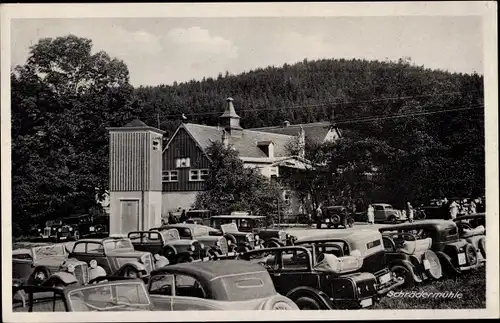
<point x="485" y="9"/>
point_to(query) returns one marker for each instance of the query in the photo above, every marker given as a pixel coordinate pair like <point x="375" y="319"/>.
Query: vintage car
<point x="455" y="255"/>
<point x="84" y="225"/>
<point x="386" y="213"/>
<point x="472" y="228"/>
<point x="167" y="243"/>
<point x="215" y="245"/>
<point x="244" y="223"/>
<point x="410" y="258"/>
<point x="368" y="242"/>
<point x="335" y="216"/>
<point x="114" y="256"/>
<point x="49" y="232"/>
<point x="317" y="281"/>
<point x="111" y="294"/>
<point x="35" y="265"/>
<point x="215" y="285"/>
<point x="435" y="209"/>
<point x="199" y="217"/>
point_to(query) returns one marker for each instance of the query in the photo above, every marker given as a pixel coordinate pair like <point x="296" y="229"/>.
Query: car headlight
<point x="257" y="237"/>
<point x="39" y="230"/>
<point x="192" y="248"/>
<point x="59" y="230"/>
<point x="71" y="268"/>
<point x="70" y="229"/>
<point x="93" y="263"/>
<point x="157" y="257"/>
<point x="217" y="243"/>
<point x="202" y="246"/>
<point x="228" y="242"/>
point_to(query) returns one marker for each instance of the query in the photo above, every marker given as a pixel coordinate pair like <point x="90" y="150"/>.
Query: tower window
<point x="183" y="162"/>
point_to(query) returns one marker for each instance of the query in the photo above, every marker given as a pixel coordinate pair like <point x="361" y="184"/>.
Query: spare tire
<point x="336" y="218"/>
<point x="482" y="247"/>
<point x="432" y="265"/>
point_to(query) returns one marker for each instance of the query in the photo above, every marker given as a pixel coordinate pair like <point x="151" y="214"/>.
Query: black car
<point x="311" y="283"/>
<point x="335" y="216"/>
<point x="83" y="225"/>
<point x="49" y="232"/>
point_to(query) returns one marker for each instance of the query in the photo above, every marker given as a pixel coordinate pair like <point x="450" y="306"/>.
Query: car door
<point x="87" y="251"/>
<point x="294" y="270"/>
<point x="189" y="295"/>
<point x="379" y="213"/>
<point x="22" y="265"/>
<point x="161" y="291"/>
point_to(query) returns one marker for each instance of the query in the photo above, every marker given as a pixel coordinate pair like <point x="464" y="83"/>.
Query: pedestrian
<point x="171" y="218"/>
<point x="409" y="211"/>
<point x="453" y="209"/>
<point x="371" y="214"/>
<point x="183" y="216"/>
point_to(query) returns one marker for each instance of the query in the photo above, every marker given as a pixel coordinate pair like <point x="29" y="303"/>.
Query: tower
<point x="230" y="121"/>
<point x="135" y="172"/>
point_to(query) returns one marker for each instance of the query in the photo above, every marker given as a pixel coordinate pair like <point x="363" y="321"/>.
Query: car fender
<point x="319" y="296"/>
<point x="408" y="265"/>
<point x="134" y="264"/>
<point x="66" y="278"/>
<point x="446" y="262"/>
<point x="96" y="273"/>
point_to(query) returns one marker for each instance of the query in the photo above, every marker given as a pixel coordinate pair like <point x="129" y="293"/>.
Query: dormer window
<point x="267" y="147"/>
<point x="183" y="162"/>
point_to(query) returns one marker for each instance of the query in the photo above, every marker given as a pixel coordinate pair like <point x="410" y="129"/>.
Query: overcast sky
<point x="164" y="50"/>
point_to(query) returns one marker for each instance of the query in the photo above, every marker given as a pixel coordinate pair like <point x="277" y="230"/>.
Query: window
<point x="96" y="248"/>
<point x="197" y="175"/>
<point x="80" y="248"/>
<point x="170" y="176"/>
<point x="286" y="198"/>
<point x="188" y="286"/>
<point x="373" y="244"/>
<point x="161" y="285"/>
<point x="378" y="208"/>
<point x="183" y="162"/>
<point x="295" y="260"/>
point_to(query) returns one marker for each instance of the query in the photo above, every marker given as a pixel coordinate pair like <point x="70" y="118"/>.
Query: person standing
<point x="183" y="216"/>
<point x="371" y="214"/>
<point x="453" y="210"/>
<point x="409" y="211"/>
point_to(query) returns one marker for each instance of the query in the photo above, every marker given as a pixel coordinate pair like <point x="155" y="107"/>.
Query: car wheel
<point x="39" y="276"/>
<point x="435" y="271"/>
<point x="271" y="244"/>
<point x="99" y="228"/>
<point x="213" y="255"/>
<point x="76" y="235"/>
<point x="131" y="272"/>
<point x="482" y="247"/>
<point x="404" y="274"/>
<point x="393" y="220"/>
<point x="471" y="255"/>
<point x="350" y="223"/>
<point x="307" y="303"/>
<point x="318" y="225"/>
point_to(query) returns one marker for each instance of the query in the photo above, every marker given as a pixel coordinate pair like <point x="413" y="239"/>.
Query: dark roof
<point x="316" y="131"/>
<point x="135" y="123"/>
<point x="246" y="145"/>
<point x="211" y="270"/>
<point x="229" y="112"/>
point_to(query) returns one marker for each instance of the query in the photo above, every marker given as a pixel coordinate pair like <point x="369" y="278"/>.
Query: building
<point x="318" y="132"/>
<point x="186" y="165"/>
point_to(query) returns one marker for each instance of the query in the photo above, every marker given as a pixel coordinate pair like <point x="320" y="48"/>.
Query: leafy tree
<point x="233" y="187"/>
<point x="63" y="99"/>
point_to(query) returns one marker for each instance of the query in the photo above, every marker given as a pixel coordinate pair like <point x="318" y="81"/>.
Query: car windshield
<point x="200" y="231"/>
<point x="170" y="234"/>
<point x="52" y="222"/>
<point x="123" y="244"/>
<point x="49" y="251"/>
<point x="120" y="296"/>
<point x="388" y="206"/>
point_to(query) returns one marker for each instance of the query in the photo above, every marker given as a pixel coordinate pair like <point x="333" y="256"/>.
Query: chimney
<point x="286" y="123"/>
<point x="230" y="121"/>
<point x="225" y="139"/>
<point x="302" y="142"/>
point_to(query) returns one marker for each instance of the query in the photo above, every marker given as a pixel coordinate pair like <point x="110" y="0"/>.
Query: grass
<point x="471" y="286"/>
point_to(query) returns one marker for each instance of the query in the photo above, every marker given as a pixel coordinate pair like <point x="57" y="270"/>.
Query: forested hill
<point x="309" y="91"/>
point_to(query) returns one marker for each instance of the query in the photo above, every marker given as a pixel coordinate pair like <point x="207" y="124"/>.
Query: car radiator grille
<point x="82" y="273"/>
<point x="47" y="231"/>
<point x="282" y="235"/>
<point x="223" y="245"/>
<point x="65" y="229"/>
<point x="148" y="264"/>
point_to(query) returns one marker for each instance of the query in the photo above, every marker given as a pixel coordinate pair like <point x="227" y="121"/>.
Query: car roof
<point x="435" y="223"/>
<point x="100" y="240"/>
<point x="211" y="270"/>
<point x="352" y="235"/>
<point x="236" y="216"/>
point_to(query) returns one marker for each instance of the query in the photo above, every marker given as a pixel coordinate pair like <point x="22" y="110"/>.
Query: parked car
<point x="335" y="216"/>
<point x="472" y="228"/>
<point x="367" y="242"/>
<point x="112" y="294"/>
<point x="215" y="285"/>
<point x="435" y="209"/>
<point x="49" y="232"/>
<point x="386" y="213"/>
<point x="410" y="258"/>
<point x="83" y="225"/>
<point x="456" y="255"/>
<point x="201" y="217"/>
<point x="35" y="265"/>
<point x="317" y="281"/>
<point x="167" y="243"/>
<point x="267" y="237"/>
<point x="214" y="244"/>
<point x="113" y="256"/>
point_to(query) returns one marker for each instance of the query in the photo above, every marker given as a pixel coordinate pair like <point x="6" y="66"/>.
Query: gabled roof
<point x="246" y="145"/>
<point x="135" y="123"/>
<point x="316" y="131"/>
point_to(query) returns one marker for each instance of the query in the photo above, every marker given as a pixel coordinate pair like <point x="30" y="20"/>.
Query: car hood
<point x="127" y="253"/>
<point x="180" y="242"/>
<point x="204" y="239"/>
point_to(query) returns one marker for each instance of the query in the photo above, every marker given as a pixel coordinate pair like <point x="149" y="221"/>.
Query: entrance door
<point x="129" y="215"/>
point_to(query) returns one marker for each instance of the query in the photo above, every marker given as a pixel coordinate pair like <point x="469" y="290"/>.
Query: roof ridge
<point x="244" y="130"/>
<point x="310" y="124"/>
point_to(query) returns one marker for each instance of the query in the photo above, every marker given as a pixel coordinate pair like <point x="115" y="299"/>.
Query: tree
<point x="63" y="99"/>
<point x="233" y="187"/>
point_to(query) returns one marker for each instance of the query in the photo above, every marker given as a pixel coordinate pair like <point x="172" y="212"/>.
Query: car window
<point x="295" y="259"/>
<point x="378" y="208"/>
<point x="42" y="302"/>
<point x="330" y="248"/>
<point x="95" y="248"/>
<point x="200" y="231"/>
<point x="79" y="248"/>
<point x="184" y="232"/>
<point x="265" y="258"/>
<point x="161" y="284"/>
<point x="23" y="256"/>
<point x="188" y="286"/>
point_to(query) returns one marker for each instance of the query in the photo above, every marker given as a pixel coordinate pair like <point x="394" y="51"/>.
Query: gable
<point x="182" y="145"/>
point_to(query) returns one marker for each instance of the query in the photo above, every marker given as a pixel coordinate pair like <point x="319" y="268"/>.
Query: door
<point x="129" y="214"/>
<point x="294" y="270"/>
<point x="379" y="213"/>
<point x="84" y="251"/>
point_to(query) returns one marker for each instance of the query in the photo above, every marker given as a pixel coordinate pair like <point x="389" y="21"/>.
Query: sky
<point x="163" y="50"/>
